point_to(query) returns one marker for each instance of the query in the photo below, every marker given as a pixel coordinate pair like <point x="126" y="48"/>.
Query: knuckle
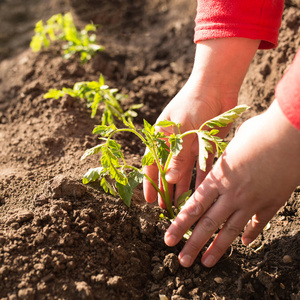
<point x="193" y="247"/>
<point x="232" y="229"/>
<point x="194" y="208"/>
<point x="208" y="224"/>
<point x="219" y="250"/>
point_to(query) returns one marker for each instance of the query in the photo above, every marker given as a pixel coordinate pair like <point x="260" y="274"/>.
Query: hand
<point x="213" y="87"/>
<point x="253" y="178"/>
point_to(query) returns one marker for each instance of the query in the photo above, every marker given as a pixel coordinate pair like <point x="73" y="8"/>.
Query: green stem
<point x="127" y="130"/>
<point x="168" y="162"/>
<point x="167" y="199"/>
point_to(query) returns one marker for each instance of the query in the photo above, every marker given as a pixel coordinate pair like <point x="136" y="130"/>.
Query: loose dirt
<point x="60" y="239"/>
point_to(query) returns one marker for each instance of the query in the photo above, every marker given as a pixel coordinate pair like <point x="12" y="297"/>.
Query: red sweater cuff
<point x="255" y="19"/>
<point x="288" y="92"/>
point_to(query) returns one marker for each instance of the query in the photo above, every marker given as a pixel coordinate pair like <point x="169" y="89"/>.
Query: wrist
<point x="220" y="67"/>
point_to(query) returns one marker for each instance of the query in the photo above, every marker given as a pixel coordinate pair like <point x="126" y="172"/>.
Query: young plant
<point x="160" y="149"/>
<point x="62" y="27"/>
<point x="96" y="92"/>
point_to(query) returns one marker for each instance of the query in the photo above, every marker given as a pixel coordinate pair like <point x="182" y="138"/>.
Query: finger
<point x="230" y="230"/>
<point x="205" y="228"/>
<point x="150" y="192"/>
<point x="195" y="207"/>
<point x="256" y="225"/>
<point x="201" y="174"/>
<point x="183" y="185"/>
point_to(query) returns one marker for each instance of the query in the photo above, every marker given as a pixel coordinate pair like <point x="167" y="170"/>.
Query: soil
<point x="60" y="239"/>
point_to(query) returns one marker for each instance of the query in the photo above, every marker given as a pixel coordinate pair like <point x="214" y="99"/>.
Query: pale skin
<point x="253" y="178"/>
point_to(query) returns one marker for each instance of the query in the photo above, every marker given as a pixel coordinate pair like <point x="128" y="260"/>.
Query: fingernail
<point x="172" y="176"/>
<point x="209" y="261"/>
<point x="186" y="261"/>
<point x="170" y="239"/>
<point x="247" y="241"/>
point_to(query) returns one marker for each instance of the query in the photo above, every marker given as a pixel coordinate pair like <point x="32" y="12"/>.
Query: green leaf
<point x="183" y="198"/>
<point x="214" y="132"/>
<point x="148" y="159"/>
<point x="128" y="123"/>
<point x="136" y="106"/>
<point x="54" y="93"/>
<point x="165" y="123"/>
<point x="92" y="175"/>
<point x="175" y="143"/>
<point x="111" y="163"/>
<point x="91" y="151"/>
<point x="115" y="148"/>
<point x="227" y="117"/>
<point x="126" y="191"/>
<point x="148" y="128"/>
<point x="104" y="130"/>
<point x="107" y="187"/>
<point x="204" y="147"/>
<point x="162" y="150"/>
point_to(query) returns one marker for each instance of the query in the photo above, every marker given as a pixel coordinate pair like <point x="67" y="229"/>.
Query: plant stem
<point x="166" y="198"/>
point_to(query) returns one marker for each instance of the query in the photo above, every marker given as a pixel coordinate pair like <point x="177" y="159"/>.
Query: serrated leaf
<point x="175" y="143"/>
<point x="148" y="128"/>
<point x="104" y="130"/>
<point x="162" y="150"/>
<point x="91" y="151"/>
<point x="214" y="132"/>
<point x="92" y="175"/>
<point x="204" y="147"/>
<point x="54" y="93"/>
<point x="148" y="159"/>
<point x="165" y="123"/>
<point x="227" y="117"/>
<point x="115" y="148"/>
<point x="126" y="191"/>
<point x="107" y="187"/>
<point x="111" y="163"/>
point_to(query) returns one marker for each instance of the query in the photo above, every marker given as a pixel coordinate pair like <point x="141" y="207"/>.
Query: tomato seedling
<point x="62" y="27"/>
<point x="160" y="149"/>
<point x="94" y="93"/>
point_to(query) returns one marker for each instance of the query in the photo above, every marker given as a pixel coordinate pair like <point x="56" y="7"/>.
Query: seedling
<point x="160" y="149"/>
<point x="62" y="27"/>
<point x="94" y="93"/>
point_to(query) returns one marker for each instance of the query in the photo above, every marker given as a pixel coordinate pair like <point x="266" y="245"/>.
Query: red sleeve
<point x="254" y="19"/>
<point x="288" y="92"/>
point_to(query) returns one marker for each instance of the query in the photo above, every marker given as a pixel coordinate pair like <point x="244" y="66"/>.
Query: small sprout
<point x="160" y="149"/>
<point x="96" y="93"/>
<point x="62" y="27"/>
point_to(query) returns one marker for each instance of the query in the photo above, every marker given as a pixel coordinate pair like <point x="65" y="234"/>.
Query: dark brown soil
<point x="60" y="239"/>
